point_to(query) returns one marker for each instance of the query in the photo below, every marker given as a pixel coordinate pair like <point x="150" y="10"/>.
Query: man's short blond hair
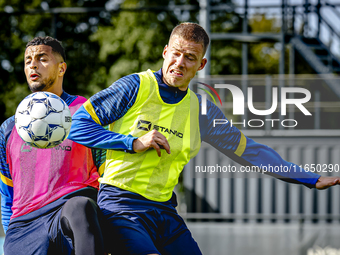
<point x="192" y="32"/>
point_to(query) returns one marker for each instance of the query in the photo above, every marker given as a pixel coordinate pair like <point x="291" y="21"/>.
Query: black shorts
<point x="40" y="232"/>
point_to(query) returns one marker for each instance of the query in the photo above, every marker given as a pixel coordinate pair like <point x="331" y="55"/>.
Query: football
<point x="43" y="120"/>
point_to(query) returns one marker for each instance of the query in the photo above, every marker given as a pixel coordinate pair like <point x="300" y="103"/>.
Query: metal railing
<point x="239" y="197"/>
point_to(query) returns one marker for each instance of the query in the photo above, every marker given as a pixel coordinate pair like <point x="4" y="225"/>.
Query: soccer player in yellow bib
<point x="155" y="128"/>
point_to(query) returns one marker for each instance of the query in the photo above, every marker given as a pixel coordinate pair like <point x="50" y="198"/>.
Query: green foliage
<point x="18" y="27"/>
<point x="101" y="47"/>
<point x="133" y="42"/>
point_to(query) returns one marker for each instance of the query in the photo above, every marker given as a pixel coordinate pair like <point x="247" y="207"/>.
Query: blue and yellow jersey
<point x="6" y="184"/>
<point x="111" y="104"/>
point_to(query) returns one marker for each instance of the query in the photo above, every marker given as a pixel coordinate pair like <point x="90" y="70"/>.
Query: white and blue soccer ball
<point x="43" y="120"/>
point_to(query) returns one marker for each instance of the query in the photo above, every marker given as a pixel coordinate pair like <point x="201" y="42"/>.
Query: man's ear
<point x="62" y="68"/>
<point x="165" y="50"/>
<point x="203" y="63"/>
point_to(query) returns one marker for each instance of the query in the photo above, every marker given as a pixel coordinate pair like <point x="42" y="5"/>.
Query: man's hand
<point x="153" y="139"/>
<point x="326" y="182"/>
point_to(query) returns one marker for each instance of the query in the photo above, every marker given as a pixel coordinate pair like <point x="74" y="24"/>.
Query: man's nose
<point x="34" y="65"/>
<point x="180" y="61"/>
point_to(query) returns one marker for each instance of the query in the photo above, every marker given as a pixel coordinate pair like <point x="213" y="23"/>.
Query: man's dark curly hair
<point x="49" y="41"/>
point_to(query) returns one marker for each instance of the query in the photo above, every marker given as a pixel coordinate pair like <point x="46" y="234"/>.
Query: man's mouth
<point x="176" y="72"/>
<point x="34" y="77"/>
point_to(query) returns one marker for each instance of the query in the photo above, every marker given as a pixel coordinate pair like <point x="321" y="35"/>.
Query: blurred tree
<point x="22" y="26"/>
<point x="102" y="46"/>
<point x="133" y="42"/>
<point x="226" y="55"/>
<point x="264" y="56"/>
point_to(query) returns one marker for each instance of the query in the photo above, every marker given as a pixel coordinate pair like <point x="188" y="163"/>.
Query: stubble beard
<point x="42" y="86"/>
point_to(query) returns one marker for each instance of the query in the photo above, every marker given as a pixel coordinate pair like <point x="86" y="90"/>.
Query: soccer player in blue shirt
<point x="154" y="130"/>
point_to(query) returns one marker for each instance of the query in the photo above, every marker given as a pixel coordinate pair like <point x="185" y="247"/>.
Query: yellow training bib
<point x="145" y="173"/>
